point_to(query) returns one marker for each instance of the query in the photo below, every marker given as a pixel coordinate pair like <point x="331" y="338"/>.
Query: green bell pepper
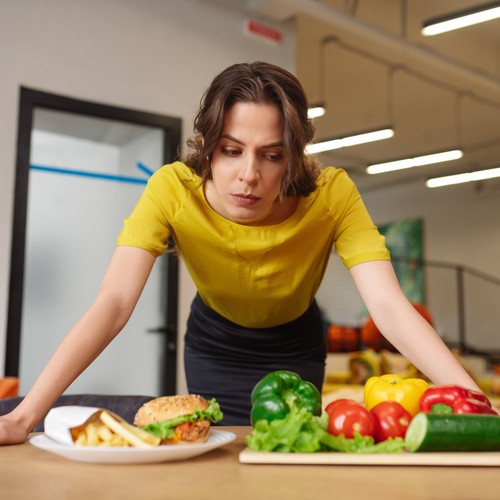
<point x="275" y="394"/>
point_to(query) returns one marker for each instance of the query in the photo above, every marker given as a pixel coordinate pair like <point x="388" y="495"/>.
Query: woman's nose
<point x="249" y="172"/>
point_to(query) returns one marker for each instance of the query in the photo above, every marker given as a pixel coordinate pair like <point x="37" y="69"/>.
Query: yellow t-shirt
<point x="255" y="276"/>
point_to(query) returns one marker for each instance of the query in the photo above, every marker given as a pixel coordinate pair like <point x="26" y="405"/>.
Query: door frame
<point x="29" y="99"/>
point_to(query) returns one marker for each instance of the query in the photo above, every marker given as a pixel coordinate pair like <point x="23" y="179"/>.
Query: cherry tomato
<point x="391" y="420"/>
<point x="337" y="402"/>
<point x="348" y="418"/>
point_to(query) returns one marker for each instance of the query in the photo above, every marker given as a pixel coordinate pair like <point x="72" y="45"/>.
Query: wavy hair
<point x="257" y="83"/>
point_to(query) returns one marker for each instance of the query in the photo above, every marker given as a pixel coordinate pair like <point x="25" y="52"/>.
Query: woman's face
<point x="247" y="166"/>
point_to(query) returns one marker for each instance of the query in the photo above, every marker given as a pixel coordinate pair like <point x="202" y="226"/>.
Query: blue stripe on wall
<point x="145" y="169"/>
<point x="95" y="175"/>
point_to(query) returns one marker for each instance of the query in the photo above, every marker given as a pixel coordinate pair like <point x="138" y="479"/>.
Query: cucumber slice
<point x="438" y="432"/>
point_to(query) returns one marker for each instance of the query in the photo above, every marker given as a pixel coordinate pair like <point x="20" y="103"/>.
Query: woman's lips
<point x="245" y="199"/>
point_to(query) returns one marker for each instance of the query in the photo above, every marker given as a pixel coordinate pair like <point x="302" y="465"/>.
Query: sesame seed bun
<point x="168" y="407"/>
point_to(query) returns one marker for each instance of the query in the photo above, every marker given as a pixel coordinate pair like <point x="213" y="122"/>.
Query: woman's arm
<point x="404" y="327"/>
<point x="118" y="294"/>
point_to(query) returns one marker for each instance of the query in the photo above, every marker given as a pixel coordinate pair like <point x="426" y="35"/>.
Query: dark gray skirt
<point x="224" y="360"/>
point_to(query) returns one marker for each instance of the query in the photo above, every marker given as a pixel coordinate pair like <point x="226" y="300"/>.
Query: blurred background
<point x="117" y="82"/>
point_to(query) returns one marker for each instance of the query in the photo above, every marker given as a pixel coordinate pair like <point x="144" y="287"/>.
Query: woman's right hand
<point x="12" y="430"/>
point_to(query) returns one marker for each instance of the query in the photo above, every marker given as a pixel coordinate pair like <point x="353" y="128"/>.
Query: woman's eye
<point x="231" y="151"/>
<point x="274" y="156"/>
<point x="266" y="155"/>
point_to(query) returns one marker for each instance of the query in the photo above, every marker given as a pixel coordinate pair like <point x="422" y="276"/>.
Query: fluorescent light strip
<point x="316" y="111"/>
<point x="353" y="140"/>
<point x="462" y="20"/>
<point x="479" y="175"/>
<point x="418" y="161"/>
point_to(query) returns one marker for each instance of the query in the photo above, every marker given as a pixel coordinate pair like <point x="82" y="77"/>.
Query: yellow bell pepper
<point x="406" y="392"/>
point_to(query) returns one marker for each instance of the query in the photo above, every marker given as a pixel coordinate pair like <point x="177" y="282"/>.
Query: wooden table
<point x="28" y="473"/>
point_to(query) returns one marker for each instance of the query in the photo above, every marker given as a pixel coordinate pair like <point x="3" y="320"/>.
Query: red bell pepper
<point x="460" y="399"/>
<point x="470" y="405"/>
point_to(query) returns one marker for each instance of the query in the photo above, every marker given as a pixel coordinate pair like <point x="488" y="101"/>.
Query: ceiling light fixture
<point x="478" y="175"/>
<point x="462" y="19"/>
<point x="417" y="161"/>
<point x="318" y="107"/>
<point x="316" y="110"/>
<point x="353" y="140"/>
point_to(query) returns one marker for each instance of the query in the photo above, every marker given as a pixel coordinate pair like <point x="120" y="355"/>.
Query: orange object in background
<point x="343" y="338"/>
<point x="9" y="387"/>
<point x="372" y="338"/>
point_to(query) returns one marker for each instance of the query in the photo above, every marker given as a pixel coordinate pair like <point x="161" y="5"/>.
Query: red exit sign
<point x="263" y="31"/>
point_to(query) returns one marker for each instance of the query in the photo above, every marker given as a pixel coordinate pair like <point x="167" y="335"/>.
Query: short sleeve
<point x="356" y="237"/>
<point x="147" y="226"/>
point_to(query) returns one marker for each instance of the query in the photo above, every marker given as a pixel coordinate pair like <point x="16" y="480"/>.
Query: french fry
<point x="92" y="437"/>
<point x="118" y="441"/>
<point x="133" y="435"/>
<point x="104" y="429"/>
<point x="105" y="434"/>
<point x="80" y="438"/>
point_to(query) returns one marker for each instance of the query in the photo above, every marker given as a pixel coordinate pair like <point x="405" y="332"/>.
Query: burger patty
<point x="191" y="431"/>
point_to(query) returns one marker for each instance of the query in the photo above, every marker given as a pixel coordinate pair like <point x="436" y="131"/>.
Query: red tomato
<point x="391" y="420"/>
<point x="337" y="402"/>
<point x="349" y="418"/>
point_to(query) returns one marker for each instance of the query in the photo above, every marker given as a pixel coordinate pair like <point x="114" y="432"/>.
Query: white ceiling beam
<point x="396" y="49"/>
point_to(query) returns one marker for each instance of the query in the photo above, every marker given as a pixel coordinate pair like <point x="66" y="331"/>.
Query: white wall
<point x="152" y="55"/>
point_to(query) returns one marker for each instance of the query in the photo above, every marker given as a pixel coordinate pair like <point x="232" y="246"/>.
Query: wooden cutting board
<point x="476" y="459"/>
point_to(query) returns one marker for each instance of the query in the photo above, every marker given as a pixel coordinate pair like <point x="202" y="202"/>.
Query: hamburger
<point x="179" y="419"/>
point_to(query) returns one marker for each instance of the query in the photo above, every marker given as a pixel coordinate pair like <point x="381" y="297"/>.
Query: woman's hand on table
<point x="11" y="430"/>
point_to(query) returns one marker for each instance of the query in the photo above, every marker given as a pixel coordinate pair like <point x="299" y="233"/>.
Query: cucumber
<point x="439" y="432"/>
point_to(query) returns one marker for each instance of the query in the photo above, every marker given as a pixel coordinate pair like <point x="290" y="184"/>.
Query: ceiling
<point x="367" y="60"/>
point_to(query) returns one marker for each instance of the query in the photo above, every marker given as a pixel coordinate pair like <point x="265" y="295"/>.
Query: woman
<point x="255" y="221"/>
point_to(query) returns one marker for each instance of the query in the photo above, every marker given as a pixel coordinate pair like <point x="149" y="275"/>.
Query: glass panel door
<point x="85" y="178"/>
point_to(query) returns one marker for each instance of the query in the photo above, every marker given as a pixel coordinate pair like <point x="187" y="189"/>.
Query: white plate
<point x="125" y="455"/>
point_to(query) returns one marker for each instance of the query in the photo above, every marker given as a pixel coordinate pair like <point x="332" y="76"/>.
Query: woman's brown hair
<point x="257" y="83"/>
